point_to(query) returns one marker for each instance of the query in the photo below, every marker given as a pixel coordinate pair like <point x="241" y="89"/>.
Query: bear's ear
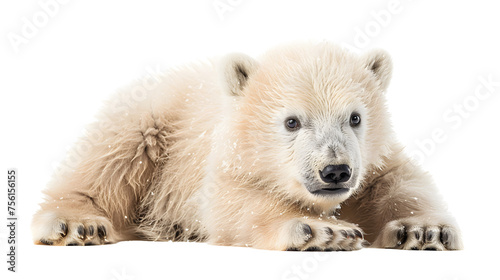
<point x="235" y="70"/>
<point x="380" y="64"/>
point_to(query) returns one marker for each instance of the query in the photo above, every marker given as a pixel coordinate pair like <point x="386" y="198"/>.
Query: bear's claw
<point x="325" y="236"/>
<point x="93" y="230"/>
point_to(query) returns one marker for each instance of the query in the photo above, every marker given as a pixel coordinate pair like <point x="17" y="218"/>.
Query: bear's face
<point x="307" y="119"/>
<point x="324" y="133"/>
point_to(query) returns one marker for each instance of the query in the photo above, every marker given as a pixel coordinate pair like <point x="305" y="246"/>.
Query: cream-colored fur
<point x="205" y="155"/>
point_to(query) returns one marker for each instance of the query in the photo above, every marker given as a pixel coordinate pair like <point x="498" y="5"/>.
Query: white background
<point x="53" y="80"/>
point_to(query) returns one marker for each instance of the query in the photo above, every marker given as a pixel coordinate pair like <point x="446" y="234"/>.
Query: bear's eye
<point x="355" y="119"/>
<point x="292" y="124"/>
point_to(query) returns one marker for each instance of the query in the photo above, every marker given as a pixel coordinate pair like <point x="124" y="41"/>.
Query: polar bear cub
<point x="251" y="152"/>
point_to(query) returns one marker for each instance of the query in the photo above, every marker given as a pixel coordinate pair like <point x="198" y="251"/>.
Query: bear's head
<point x="306" y="122"/>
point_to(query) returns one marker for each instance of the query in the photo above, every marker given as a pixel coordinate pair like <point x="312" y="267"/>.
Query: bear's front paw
<point x="51" y="230"/>
<point x="307" y="235"/>
<point x="419" y="234"/>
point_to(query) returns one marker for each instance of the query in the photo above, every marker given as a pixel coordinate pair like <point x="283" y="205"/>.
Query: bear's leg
<point x="95" y="202"/>
<point x="283" y="228"/>
<point x="402" y="210"/>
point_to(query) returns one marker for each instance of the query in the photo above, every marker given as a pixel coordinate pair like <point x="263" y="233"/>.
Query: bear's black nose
<point x="335" y="173"/>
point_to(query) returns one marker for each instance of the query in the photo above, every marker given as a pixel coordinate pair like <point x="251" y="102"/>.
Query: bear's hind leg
<point x="96" y="202"/>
